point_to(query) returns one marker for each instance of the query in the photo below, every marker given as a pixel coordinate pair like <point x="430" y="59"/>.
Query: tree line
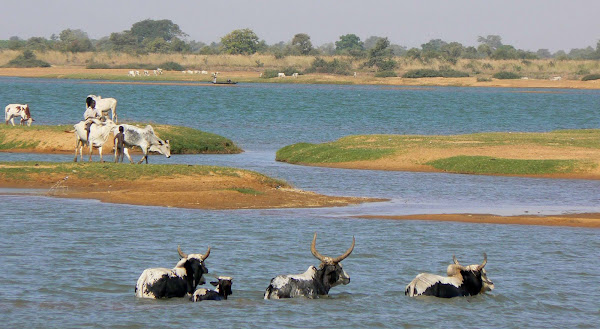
<point x="164" y="36"/>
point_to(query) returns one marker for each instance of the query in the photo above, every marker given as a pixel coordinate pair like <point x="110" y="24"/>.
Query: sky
<point x="525" y="24"/>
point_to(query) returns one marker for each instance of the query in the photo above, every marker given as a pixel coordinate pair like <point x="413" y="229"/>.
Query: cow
<point x="461" y="281"/>
<point x="98" y="136"/>
<point x="223" y="289"/>
<point x="176" y="282"/>
<point x="131" y="74"/>
<point x="145" y="139"/>
<point x="104" y="105"/>
<point x="281" y="75"/>
<point x="18" y="110"/>
<point x="314" y="282"/>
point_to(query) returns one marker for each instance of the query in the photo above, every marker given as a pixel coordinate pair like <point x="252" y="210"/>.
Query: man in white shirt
<point x="91" y="115"/>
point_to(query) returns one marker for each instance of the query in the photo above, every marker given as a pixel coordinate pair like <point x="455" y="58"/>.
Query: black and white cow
<point x="314" y="282"/>
<point x="145" y="139"/>
<point x="222" y="290"/>
<point x="176" y="282"/>
<point x="461" y="281"/>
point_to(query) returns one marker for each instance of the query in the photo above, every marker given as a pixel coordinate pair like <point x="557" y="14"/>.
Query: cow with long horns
<point x="314" y="282"/>
<point x="176" y="282"/>
<point x="461" y="281"/>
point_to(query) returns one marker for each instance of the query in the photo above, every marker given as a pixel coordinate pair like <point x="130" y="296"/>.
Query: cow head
<point x="223" y="285"/>
<point x="163" y="147"/>
<point x="194" y="264"/>
<point x="333" y="274"/>
<point x="474" y="273"/>
<point x="27" y="117"/>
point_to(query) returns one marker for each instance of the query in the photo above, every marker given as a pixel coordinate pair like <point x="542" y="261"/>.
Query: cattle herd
<point x="188" y="273"/>
<point x="100" y="129"/>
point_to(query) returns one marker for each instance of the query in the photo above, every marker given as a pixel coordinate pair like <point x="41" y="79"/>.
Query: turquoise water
<point x="74" y="263"/>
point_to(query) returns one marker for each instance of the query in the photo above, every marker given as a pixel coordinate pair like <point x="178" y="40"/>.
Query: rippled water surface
<point x="74" y="263"/>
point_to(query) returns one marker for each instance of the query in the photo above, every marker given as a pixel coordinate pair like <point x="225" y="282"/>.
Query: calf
<point x="314" y="282"/>
<point x="461" y="281"/>
<point x="223" y="289"/>
<point x="176" y="282"/>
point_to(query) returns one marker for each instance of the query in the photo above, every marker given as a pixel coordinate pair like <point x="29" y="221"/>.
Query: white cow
<point x="18" y="110"/>
<point x="98" y="136"/>
<point x="159" y="70"/>
<point x="104" y="105"/>
<point x="131" y="74"/>
<point x="281" y="75"/>
<point x="145" y="139"/>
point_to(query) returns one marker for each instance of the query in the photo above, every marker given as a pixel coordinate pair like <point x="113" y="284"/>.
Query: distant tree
<point x="544" y="53"/>
<point x="74" y="41"/>
<point x="470" y="53"/>
<point x="37" y="43"/>
<point x="195" y="46"/>
<point x="505" y="52"/>
<point x="484" y="50"/>
<point x="413" y="53"/>
<point x="243" y="41"/>
<point x="302" y="42"/>
<point x="371" y="41"/>
<point x="15" y="43"/>
<point x="452" y="51"/>
<point x="124" y="41"/>
<point x="327" y="48"/>
<point x="493" y="41"/>
<point x="398" y="50"/>
<point x="350" y="44"/>
<point x="152" y="29"/>
<point x="582" y="53"/>
<point x="381" y="56"/>
<point x="156" y="45"/>
<point x="433" y="48"/>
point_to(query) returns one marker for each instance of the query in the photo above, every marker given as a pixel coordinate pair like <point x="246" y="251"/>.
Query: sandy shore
<point x="172" y="77"/>
<point x="589" y="220"/>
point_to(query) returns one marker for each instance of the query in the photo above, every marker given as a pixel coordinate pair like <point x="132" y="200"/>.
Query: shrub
<point x="591" y="77"/>
<point x="171" y="66"/>
<point x="27" y="59"/>
<point x="268" y="74"/>
<point x="430" y="73"/>
<point x="335" y="67"/>
<point x="483" y="79"/>
<point x="506" y="75"/>
<point x="385" y="74"/>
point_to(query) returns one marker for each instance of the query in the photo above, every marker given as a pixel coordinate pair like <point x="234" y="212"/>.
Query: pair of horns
<point x="329" y="260"/>
<point x="479" y="268"/>
<point x="184" y="255"/>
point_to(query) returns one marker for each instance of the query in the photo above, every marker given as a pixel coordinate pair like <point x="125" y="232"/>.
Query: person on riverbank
<point x="119" y="145"/>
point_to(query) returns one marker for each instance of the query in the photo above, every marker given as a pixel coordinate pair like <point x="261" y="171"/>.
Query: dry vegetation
<point x="480" y="68"/>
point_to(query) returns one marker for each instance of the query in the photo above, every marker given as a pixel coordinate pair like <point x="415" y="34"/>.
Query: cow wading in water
<point x="176" y="282"/>
<point x="314" y="282"/>
<point x="145" y="139"/>
<point x="461" y="281"/>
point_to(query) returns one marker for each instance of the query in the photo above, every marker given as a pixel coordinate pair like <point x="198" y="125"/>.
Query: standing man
<point x="119" y="138"/>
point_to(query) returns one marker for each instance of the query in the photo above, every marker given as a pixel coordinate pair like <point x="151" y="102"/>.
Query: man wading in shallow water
<point x="119" y="145"/>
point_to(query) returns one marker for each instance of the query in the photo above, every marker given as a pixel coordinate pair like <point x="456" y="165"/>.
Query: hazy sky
<point x="525" y="24"/>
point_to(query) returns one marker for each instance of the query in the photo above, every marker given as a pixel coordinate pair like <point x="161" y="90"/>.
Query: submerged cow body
<point x="12" y="111"/>
<point x="222" y="290"/>
<point x="461" y="281"/>
<point x="176" y="282"/>
<point x="104" y="105"/>
<point x="98" y="136"/>
<point x="314" y="282"/>
<point x="145" y="139"/>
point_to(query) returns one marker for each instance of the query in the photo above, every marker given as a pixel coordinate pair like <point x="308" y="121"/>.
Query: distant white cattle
<point x="18" y="110"/>
<point x="145" y="139"/>
<point x="104" y="105"/>
<point x="281" y="75"/>
<point x="295" y="75"/>
<point x="98" y="136"/>
<point x="131" y="74"/>
<point x="204" y="72"/>
<point x="159" y="70"/>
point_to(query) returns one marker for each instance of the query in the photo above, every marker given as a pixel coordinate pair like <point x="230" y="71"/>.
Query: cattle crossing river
<point x="74" y="263"/>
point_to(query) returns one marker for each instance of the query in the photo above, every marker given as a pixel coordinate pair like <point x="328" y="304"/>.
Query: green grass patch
<point x="247" y="191"/>
<point x="185" y="140"/>
<point x="118" y="171"/>
<point x="328" y="153"/>
<point x="489" y="165"/>
<point x="431" y="73"/>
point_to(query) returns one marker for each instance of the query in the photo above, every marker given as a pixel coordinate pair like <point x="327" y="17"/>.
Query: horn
<point x="480" y="267"/>
<point x="205" y="256"/>
<point x="314" y="251"/>
<point x="181" y="253"/>
<point x="455" y="260"/>
<point x="346" y="254"/>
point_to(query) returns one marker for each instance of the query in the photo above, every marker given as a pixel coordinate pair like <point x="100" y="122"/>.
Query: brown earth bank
<point x="251" y="76"/>
<point x="244" y="191"/>
<point x="589" y="220"/>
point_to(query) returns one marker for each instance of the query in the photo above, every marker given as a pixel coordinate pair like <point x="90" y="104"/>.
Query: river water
<point x="74" y="263"/>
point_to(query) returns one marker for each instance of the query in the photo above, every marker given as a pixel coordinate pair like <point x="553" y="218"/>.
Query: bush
<point x="591" y="77"/>
<point x="431" y="73"/>
<point x="506" y="75"/>
<point x="171" y="66"/>
<point x="386" y="74"/>
<point x="27" y="59"/>
<point x="336" y="66"/>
